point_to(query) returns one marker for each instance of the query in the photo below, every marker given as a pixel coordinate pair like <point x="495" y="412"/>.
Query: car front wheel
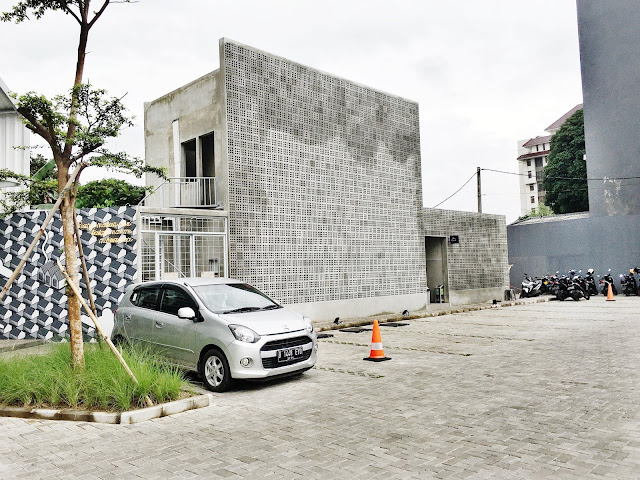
<point x="214" y="371"/>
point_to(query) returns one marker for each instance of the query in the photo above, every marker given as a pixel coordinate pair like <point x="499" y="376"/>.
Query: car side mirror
<point x="186" y="312"/>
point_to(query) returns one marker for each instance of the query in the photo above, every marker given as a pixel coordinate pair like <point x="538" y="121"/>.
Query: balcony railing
<point x="184" y="192"/>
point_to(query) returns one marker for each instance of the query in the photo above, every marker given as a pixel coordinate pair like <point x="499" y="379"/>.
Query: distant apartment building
<point x="532" y="158"/>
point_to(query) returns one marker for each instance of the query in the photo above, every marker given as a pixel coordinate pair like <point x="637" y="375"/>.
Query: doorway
<point x="437" y="274"/>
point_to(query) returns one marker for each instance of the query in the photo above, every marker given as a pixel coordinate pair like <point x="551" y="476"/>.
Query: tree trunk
<point x="71" y="266"/>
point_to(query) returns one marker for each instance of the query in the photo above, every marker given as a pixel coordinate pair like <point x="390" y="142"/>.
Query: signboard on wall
<point x="35" y="305"/>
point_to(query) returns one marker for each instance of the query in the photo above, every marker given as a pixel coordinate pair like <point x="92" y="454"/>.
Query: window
<point x="533" y="211"/>
<point x="146" y="297"/>
<point x="531" y="188"/>
<point x="533" y="199"/>
<point x="528" y="163"/>
<point x="174" y="299"/>
<point x="529" y="174"/>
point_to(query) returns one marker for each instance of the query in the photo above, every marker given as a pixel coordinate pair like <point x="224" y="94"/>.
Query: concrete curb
<point x="123" y="418"/>
<point x="435" y="313"/>
<point x="12" y="345"/>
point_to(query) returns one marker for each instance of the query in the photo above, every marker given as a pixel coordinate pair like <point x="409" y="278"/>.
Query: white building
<point x="532" y="158"/>
<point x="12" y="134"/>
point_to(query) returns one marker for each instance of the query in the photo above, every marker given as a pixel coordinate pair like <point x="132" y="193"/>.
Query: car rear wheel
<point x="214" y="371"/>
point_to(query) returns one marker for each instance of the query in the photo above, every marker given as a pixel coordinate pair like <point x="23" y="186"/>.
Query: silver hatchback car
<point x="222" y="328"/>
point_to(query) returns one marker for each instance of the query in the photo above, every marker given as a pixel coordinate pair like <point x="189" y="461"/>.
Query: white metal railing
<point x="187" y="192"/>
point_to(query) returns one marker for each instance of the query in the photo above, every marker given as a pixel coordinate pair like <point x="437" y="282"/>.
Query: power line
<point x="463" y="185"/>
<point x="562" y="178"/>
<point x="551" y="178"/>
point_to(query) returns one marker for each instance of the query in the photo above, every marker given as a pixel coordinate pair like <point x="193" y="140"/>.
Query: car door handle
<point x="158" y="324"/>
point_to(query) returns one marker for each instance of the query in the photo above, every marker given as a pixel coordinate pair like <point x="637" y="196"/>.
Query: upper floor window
<point x="528" y="163"/>
<point x="529" y="174"/>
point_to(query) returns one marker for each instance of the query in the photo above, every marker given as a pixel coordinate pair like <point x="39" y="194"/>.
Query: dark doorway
<point x="208" y="156"/>
<point x="436" y="260"/>
<point x="190" y="158"/>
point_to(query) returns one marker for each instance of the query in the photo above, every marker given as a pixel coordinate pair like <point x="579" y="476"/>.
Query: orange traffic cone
<point x="377" y="353"/>
<point x="610" y="295"/>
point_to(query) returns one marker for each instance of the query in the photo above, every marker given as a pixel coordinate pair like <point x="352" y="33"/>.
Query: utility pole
<point x="479" y="191"/>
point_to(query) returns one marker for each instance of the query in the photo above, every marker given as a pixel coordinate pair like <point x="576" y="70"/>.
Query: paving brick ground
<point x="546" y="390"/>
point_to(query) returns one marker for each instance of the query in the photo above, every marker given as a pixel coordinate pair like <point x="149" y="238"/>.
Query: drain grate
<point x="355" y="330"/>
<point x="325" y="335"/>
<point x="394" y="324"/>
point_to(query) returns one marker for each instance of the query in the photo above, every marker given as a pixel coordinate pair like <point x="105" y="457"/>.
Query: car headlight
<point x="244" y="334"/>
<point x="308" y="323"/>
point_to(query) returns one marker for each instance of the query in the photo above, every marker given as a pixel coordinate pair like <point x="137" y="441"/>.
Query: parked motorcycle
<point x="547" y="285"/>
<point x="561" y="287"/>
<point x="576" y="287"/>
<point x="591" y="282"/>
<point x="628" y="283"/>
<point x="607" y="280"/>
<point x="530" y="287"/>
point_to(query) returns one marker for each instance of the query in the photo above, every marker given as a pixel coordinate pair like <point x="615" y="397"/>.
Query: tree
<point x="109" y="192"/>
<point x="76" y="127"/>
<point x="565" y="175"/>
<point x="543" y="211"/>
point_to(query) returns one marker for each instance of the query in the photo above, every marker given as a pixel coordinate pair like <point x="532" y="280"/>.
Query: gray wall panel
<point x="592" y="242"/>
<point x="610" y="63"/>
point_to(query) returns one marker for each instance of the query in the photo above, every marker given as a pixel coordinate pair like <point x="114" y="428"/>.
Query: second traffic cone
<point x="610" y="295"/>
<point x="377" y="353"/>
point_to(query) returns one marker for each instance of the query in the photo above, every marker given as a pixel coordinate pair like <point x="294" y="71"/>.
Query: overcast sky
<point x="485" y="74"/>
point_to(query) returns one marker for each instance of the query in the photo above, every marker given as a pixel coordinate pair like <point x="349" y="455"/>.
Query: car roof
<point x="192" y="281"/>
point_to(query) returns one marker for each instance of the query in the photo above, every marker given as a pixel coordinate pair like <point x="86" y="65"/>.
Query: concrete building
<point x="532" y="158"/>
<point x="608" y="236"/>
<point x="308" y="186"/>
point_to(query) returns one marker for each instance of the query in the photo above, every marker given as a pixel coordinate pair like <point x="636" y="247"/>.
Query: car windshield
<point x="233" y="298"/>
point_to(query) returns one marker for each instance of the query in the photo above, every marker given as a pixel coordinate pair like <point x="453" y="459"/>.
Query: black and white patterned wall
<point x="324" y="182"/>
<point x="35" y="306"/>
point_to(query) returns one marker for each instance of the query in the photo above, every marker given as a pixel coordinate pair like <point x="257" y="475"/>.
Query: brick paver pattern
<point x="547" y="390"/>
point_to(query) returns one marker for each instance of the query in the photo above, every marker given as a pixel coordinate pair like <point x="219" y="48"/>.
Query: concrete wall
<point x="324" y="182"/>
<point x="610" y="62"/>
<point x="187" y="113"/>
<point x="579" y="242"/>
<point x="477" y="266"/>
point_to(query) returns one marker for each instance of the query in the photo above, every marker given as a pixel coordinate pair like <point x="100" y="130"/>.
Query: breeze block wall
<point x="324" y="182"/>
<point x="478" y="268"/>
<point x="35" y="305"/>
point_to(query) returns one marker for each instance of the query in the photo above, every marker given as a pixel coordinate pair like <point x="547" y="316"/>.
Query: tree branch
<point x="98" y="13"/>
<point x="65" y="7"/>
<point x="35" y="126"/>
<point x="85" y="151"/>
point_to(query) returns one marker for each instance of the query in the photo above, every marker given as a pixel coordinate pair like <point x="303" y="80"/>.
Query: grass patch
<point x="49" y="381"/>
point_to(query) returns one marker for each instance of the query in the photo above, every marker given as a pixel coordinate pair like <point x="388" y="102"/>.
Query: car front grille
<point x="286" y="343"/>
<point x="272" y="347"/>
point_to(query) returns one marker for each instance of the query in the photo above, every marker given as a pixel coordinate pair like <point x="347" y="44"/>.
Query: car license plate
<point x="292" y="353"/>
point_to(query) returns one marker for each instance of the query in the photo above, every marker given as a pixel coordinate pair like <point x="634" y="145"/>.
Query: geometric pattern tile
<point x="35" y="305"/>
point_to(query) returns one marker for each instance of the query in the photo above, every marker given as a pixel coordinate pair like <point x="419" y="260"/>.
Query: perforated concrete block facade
<point x="324" y="182"/>
<point x="479" y="260"/>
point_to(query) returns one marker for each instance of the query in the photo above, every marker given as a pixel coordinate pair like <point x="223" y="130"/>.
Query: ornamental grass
<point x="48" y="381"/>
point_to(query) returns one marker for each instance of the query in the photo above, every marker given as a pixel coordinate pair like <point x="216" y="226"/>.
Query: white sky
<point x="485" y="73"/>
